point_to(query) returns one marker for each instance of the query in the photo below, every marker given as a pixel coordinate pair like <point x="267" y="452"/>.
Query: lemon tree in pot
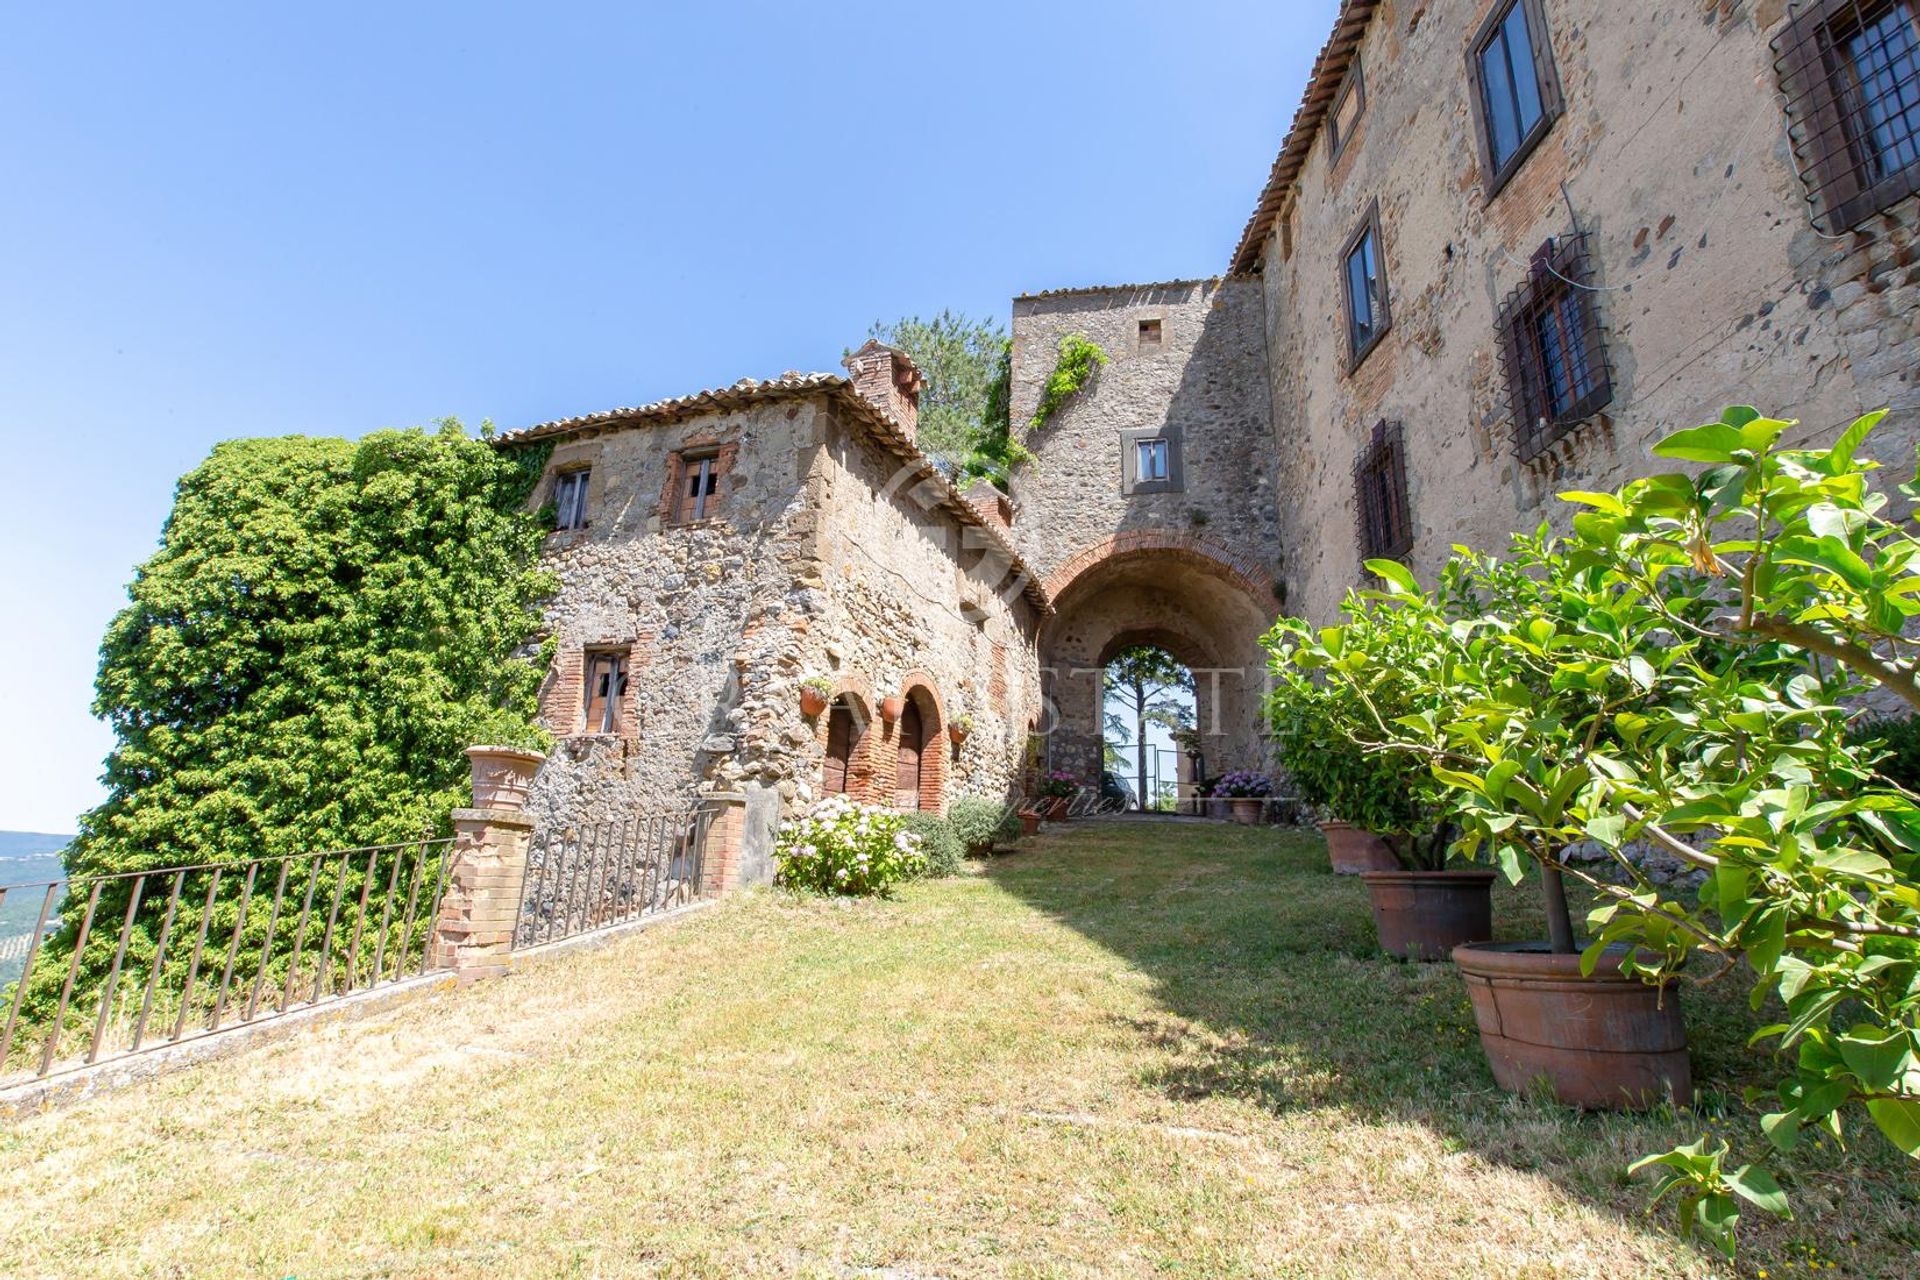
<point x="1705" y="640"/>
<point x="1328" y="690"/>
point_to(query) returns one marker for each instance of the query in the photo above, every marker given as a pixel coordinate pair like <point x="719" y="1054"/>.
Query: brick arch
<point x="1190" y="549"/>
<point x="919" y="688"/>
<point x="866" y="757"/>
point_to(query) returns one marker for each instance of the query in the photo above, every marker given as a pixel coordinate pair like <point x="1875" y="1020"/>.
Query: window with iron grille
<point x="1364" y="275"/>
<point x="1380" y="491"/>
<point x="1516" y="94"/>
<point x="1552" y="350"/>
<point x="570" y="500"/>
<point x="606" y="688"/>
<point x="1850" y="71"/>
<point x="699" y="476"/>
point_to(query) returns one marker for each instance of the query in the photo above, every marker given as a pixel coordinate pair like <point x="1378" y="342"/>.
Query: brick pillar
<point x="480" y="907"/>
<point x="726" y="832"/>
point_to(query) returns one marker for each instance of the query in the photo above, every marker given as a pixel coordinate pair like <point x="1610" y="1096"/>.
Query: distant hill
<point x="26" y="857"/>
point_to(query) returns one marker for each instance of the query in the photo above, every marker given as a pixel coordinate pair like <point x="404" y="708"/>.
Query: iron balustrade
<point x="119" y="963"/>
<point x="592" y="876"/>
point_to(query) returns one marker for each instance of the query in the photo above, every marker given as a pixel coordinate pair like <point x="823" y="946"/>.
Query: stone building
<point x="1505" y="246"/>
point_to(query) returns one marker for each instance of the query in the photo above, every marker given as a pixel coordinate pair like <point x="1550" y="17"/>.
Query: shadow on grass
<point x="1274" y="991"/>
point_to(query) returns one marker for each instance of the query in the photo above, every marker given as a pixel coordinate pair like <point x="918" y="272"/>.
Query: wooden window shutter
<point x="840" y="739"/>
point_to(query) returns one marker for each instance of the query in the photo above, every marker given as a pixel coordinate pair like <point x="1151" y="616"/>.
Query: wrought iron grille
<point x="119" y="963"/>
<point x="1850" y="73"/>
<point x="1380" y="489"/>
<point x="1553" y="350"/>
<point x="596" y="875"/>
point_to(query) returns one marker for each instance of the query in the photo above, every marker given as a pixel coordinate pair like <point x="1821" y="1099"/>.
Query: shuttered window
<point x="696" y="488"/>
<point x="605" y="691"/>
<point x="570" y="500"/>
<point x="1380" y="490"/>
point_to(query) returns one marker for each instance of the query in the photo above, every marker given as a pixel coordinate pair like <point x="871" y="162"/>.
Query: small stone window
<point x="1150" y="335"/>
<point x="606" y="688"/>
<point x="1516" y="94"/>
<point x="1380" y="492"/>
<point x="1150" y="461"/>
<point x="697" y="482"/>
<point x="1348" y="107"/>
<point x="1850" y="71"/>
<point x="570" y="499"/>
<point x="1551" y="348"/>
<point x="1364" y="273"/>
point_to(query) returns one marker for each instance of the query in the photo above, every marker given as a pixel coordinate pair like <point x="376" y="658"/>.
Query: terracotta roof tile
<point x="749" y="391"/>
<point x="1329" y="69"/>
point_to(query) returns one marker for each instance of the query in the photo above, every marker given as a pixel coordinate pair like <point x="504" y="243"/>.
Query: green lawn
<point x="1135" y="1049"/>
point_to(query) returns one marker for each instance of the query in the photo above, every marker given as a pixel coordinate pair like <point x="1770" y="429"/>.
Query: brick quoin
<point x="1182" y="548"/>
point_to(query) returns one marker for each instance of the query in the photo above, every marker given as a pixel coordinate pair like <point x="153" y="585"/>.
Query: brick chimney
<point x="994" y="506"/>
<point x="888" y="381"/>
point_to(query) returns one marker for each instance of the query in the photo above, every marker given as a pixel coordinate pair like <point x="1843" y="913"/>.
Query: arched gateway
<point x="1204" y="605"/>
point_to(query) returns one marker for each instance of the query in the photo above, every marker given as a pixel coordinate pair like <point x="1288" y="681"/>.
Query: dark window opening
<point x="606" y="689"/>
<point x="1365" y="290"/>
<point x="1149" y="335"/>
<point x="697" y="486"/>
<point x="1552" y="349"/>
<point x="1380" y="490"/>
<point x="1850" y="71"/>
<point x="1516" y="93"/>
<point x="570" y="500"/>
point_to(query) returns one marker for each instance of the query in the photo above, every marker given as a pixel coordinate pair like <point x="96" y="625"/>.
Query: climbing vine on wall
<point x="1080" y="358"/>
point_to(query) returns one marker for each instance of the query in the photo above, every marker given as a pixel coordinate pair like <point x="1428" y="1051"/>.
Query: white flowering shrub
<point x="838" y="846"/>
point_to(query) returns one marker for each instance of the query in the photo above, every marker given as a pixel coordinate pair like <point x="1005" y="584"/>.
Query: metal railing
<point x="140" y="959"/>
<point x="596" y="875"/>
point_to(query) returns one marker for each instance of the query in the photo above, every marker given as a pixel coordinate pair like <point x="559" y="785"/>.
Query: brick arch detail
<point x="1204" y="554"/>
<point x="919" y="687"/>
<point x="863" y="767"/>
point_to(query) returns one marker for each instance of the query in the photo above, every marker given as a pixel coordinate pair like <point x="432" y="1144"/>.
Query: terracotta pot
<point x="1424" y="915"/>
<point x="1352" y="850"/>
<point x="1029" y="822"/>
<point x="890" y="709"/>
<point x="502" y="776"/>
<point x="1606" y="1041"/>
<point x="1059" y="808"/>
<point x="812" y="702"/>
<point x="956" y="734"/>
<point x="1247" y="810"/>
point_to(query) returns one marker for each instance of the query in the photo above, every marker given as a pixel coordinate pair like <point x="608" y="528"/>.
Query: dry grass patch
<point x="1131" y="1050"/>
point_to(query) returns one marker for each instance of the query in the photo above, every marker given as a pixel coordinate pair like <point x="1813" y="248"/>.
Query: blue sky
<point x="242" y="220"/>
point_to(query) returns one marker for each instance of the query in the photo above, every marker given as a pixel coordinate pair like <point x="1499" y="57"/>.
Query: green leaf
<point x="1757" y="1187"/>
<point x="1607" y="502"/>
<point x="1879" y="1056"/>
<point x="1852" y="438"/>
<point x="1396" y="575"/>
<point x="1899" y="1119"/>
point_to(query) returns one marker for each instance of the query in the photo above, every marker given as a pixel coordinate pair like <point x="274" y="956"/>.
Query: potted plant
<point x="1334" y="689"/>
<point x="980" y="823"/>
<point x="890" y="708"/>
<point x="960" y="728"/>
<point x="1333" y="774"/>
<point x="1030" y="821"/>
<point x="815" y="693"/>
<point x="1246" y="793"/>
<point x="1057" y="790"/>
<point x="502" y="776"/>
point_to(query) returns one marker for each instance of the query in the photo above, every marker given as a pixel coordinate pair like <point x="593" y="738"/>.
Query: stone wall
<point x="1715" y="288"/>
<point x="1188" y="566"/>
<point x="683" y="600"/>
<point x="824" y="556"/>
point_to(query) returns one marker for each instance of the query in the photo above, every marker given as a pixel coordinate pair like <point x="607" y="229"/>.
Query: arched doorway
<point x="841" y="773"/>
<point x="912" y="747"/>
<point x="1147" y="726"/>
<point x="1199" y="603"/>
<point x="920" y="758"/>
